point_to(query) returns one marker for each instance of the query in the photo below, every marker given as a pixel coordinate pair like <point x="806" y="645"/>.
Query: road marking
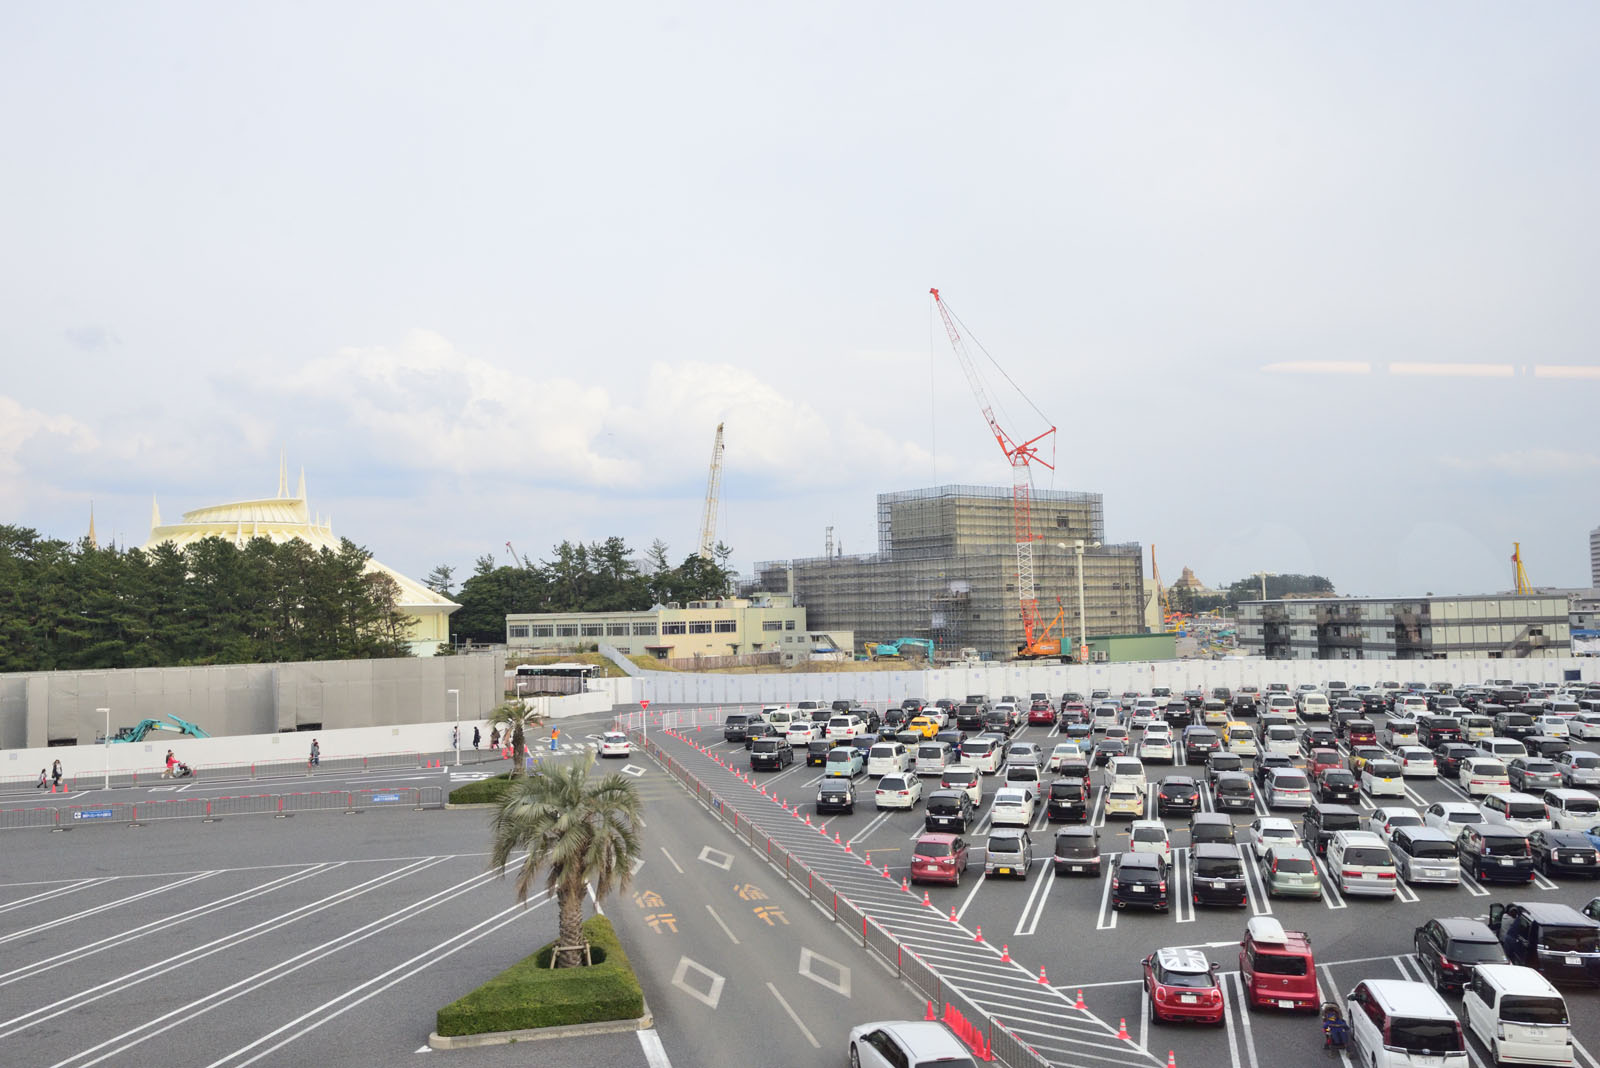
<point x="1041" y="891"/>
<point x="670" y="860"/>
<point x="838" y="986"/>
<point x="713" y="992"/>
<point x="710" y="855"/>
<point x="1543" y="883"/>
<point x="872" y="825"/>
<point x="630" y="769"/>
<point x="1182" y="887"/>
<point x="655" y="1055"/>
<point x="976" y="886"/>
<point x="804" y="1030"/>
<point x="1472" y="886"/>
<point x="1244" y="1014"/>
<point x="1105" y="922"/>
<point x="725" y="930"/>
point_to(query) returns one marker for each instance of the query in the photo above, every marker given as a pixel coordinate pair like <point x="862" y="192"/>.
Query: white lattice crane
<point x="708" y="519"/>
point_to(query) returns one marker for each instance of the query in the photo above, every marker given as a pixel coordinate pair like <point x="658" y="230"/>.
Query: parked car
<point x="1077" y="851"/>
<point x="1451" y="816"/>
<point x="1291" y="870"/>
<point x="1276" y="967"/>
<point x="1067" y="799"/>
<point x="1216" y="875"/>
<point x="1338" y="785"/>
<point x="968" y="780"/>
<point x="1554" y="939"/>
<point x="1448" y="758"/>
<point x="1140" y="879"/>
<point x="1177" y="794"/>
<point x="845" y="761"/>
<point x="1322" y="821"/>
<point x="1287" y="788"/>
<point x="1405" y="1023"/>
<point x="1564" y="853"/>
<point x="900" y="790"/>
<point x="1009" y="852"/>
<point x="1214" y="827"/>
<point x="1579" y="767"/>
<point x="1517" y="1015"/>
<point x="1495" y="853"/>
<point x="772" y="754"/>
<point x="1269" y="831"/>
<point x="1183" y="985"/>
<point x="1149" y="836"/>
<point x="1233" y="791"/>
<point x="1528" y="774"/>
<point x="1416" y="762"/>
<point x="836" y="795"/>
<point x="1449" y="948"/>
<point x="1571" y="810"/>
<point x="949" y="811"/>
<point x="1012" y="807"/>
<point x="1384" y="820"/>
<point x="938" y="858"/>
<point x="1359" y="863"/>
<point x="1480" y="776"/>
<point x="1425" y="855"/>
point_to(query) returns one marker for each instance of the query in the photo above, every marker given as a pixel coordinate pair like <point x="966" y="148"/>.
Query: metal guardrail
<point x="1004" y="1045"/>
<point x="260" y="769"/>
<point x="414" y="798"/>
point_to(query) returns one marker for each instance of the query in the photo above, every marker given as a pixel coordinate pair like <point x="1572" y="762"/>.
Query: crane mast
<point x="708" y="519"/>
<point x="1520" y="574"/>
<point x="1020" y="455"/>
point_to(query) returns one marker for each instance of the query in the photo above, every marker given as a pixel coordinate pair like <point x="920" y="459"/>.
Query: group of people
<point x="176" y="769"/>
<point x="50" y="777"/>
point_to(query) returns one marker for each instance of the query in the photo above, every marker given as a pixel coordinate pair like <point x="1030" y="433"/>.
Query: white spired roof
<point x="281" y="519"/>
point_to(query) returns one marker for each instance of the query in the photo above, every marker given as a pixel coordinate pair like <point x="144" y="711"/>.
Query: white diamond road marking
<point x="838" y="986"/>
<point x="468" y="776"/>
<point x="629" y="769"/>
<point x="717" y="858"/>
<point x="713" y="992"/>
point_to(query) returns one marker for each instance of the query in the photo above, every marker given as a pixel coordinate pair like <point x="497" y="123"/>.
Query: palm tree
<point x="512" y="717"/>
<point x="577" y="831"/>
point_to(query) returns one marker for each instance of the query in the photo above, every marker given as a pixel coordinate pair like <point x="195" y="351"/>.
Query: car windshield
<point x="1289" y="782"/>
<point x="1187" y="980"/>
<point x="944" y="805"/>
<point x="1529" y="1009"/>
<point x="1375" y="856"/>
<point x="1477" y="952"/>
<point x="933" y="849"/>
<point x="1431" y="850"/>
<point x="1435" y="1036"/>
<point x="1280" y="964"/>
<point x="1066" y="791"/>
<point x="1218" y="868"/>
<point x="841" y="757"/>
<point x="763" y="745"/>
<point x="1233" y="786"/>
<point x="1339" y="778"/>
<point x="1293" y="865"/>
<point x="1570" y="940"/>
<point x="1586" y="806"/>
<point x="960" y="778"/>
<point x="1526" y="810"/>
<point x="892" y="782"/>
<point x="1005" y="844"/>
<point x="1149" y="834"/>
<point x="1076" y="847"/>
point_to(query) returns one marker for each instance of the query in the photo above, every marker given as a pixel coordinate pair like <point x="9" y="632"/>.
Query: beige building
<point x="733" y="626"/>
<point x="284" y="518"/>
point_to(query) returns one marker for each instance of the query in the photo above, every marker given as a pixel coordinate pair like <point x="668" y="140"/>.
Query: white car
<point x="802" y="732"/>
<point x="1416" y="760"/>
<point x="1286" y="788"/>
<point x="1585" y="725"/>
<point x="1126" y="769"/>
<point x="1280" y="738"/>
<point x="1579" y="767"/>
<point x="845" y="728"/>
<point x="1241" y="741"/>
<point x="888" y="758"/>
<point x="899" y="790"/>
<point x="1104" y="716"/>
<point x="615" y="744"/>
<point x="1269" y="831"/>
<point x="1012" y="808"/>
<point x="1149" y="836"/>
<point x="1383" y="778"/>
<point x="1384" y="820"/>
<point x="967" y="779"/>
<point x="1024" y="753"/>
<point x="1396" y="732"/>
<point x="1063" y="751"/>
<point x="1156" y="746"/>
<point x="984" y="754"/>
<point x="1452" y="817"/>
<point x="1553" y="726"/>
<point x="1484" y="775"/>
<point x="1523" y="813"/>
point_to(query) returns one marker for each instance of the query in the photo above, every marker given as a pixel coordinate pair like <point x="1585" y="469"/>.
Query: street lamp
<point x="1083" y="622"/>
<point x="457" y="735"/>
<point x="107" y="711"/>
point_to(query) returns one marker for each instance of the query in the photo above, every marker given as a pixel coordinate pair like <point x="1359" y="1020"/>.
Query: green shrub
<point x="481" y="792"/>
<point x="532" y="994"/>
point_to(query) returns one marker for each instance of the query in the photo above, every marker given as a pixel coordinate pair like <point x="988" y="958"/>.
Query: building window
<point x="566" y="630"/>
<point x="644" y="630"/>
<point x="519" y="630"/>
<point x="788" y="624"/>
<point x="772" y="624"/>
<point x="701" y="627"/>
<point x="616" y="630"/>
<point x="726" y="626"/>
<point x="594" y="630"/>
<point x="543" y="630"/>
<point x="674" y="628"/>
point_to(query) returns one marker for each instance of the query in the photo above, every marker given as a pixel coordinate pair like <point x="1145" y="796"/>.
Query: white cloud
<point x="1528" y="463"/>
<point x="22" y="428"/>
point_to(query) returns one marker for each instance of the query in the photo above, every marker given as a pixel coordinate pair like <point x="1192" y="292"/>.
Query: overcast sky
<point x="495" y="272"/>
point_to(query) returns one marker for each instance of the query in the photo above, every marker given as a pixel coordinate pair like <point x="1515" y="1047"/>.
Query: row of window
<point x="638" y="630"/>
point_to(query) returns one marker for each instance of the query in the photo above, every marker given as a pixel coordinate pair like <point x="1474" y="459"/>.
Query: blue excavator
<point x="138" y="731"/>
<point x="898" y="647"/>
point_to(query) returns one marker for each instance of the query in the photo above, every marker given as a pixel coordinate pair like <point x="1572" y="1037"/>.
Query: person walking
<point x="171" y="763"/>
<point x="55" y="774"/>
<point x="476" y="738"/>
<point x="455" y="737"/>
<point x="494" y="738"/>
<point x="555" y="737"/>
<point x="44" y="778"/>
<point x="316" y="753"/>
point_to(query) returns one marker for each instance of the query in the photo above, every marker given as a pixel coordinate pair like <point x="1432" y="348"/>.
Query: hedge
<point x="481" y="792"/>
<point x="532" y="994"/>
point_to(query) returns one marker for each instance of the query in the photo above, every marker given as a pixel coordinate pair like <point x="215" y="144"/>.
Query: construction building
<point x="946" y="569"/>
<point x="1494" y="625"/>
<point x="733" y="626"/>
<point x="1594" y="557"/>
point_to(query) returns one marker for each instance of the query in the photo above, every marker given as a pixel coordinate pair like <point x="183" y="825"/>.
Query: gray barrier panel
<point x="369" y="797"/>
<point x="315" y="801"/>
<point x="247" y="805"/>
<point x="176" y="808"/>
<point x="114" y="812"/>
<point x="16" y="819"/>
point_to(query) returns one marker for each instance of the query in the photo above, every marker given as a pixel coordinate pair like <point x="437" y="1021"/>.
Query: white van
<point x="1126" y="769"/>
<point x="932" y="758"/>
<point x="1313" y="706"/>
<point x="984" y="754"/>
<point x="1399" y="1023"/>
<point x="1517" y="1015"/>
<point x="1571" y="810"/>
<point x="1586" y="725"/>
<point x="1483" y="775"/>
<point x="1502" y="748"/>
<point x="779" y="716"/>
<point x="1523" y="813"/>
<point x="1280" y="739"/>
<point x="887" y="758"/>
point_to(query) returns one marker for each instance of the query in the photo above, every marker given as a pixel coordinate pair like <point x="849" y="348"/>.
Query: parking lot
<point x="1066" y="926"/>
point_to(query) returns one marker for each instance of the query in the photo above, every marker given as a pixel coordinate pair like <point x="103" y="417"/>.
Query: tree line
<point x="66" y="606"/>
<point x="602" y="576"/>
<point x="1249" y="589"/>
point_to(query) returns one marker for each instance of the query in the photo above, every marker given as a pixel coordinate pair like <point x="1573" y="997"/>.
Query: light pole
<point x="1263" y="576"/>
<point x="1083" y="623"/>
<point x="107" y="711"/>
<point x="457" y="735"/>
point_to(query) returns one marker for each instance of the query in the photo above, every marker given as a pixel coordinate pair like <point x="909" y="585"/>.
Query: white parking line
<point x="1107" y="919"/>
<point x="1182" y="884"/>
<point x="1472" y="886"/>
<point x="1236" y="997"/>
<point x="804" y="1030"/>
<point x="976" y="886"/>
<point x="1330" y="889"/>
<point x="1255" y="888"/>
<point x="1041" y="892"/>
<point x="1543" y="883"/>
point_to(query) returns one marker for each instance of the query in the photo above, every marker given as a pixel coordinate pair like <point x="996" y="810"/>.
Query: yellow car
<point x="924" y="726"/>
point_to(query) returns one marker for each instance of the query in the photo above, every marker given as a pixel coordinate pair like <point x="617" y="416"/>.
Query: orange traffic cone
<point x="1122" y="1029"/>
<point x="925" y="900"/>
<point x="979" y="937"/>
<point x="846" y="845"/>
<point x="953" y="915"/>
<point x="886" y="874"/>
<point x="930" y="1014"/>
<point x="869" y="859"/>
<point x="904" y="886"/>
<point x="836" y="838"/>
<point x="1042" y="980"/>
<point x="1005" y="953"/>
<point x="1172" y="1059"/>
<point x="1080" y="1004"/>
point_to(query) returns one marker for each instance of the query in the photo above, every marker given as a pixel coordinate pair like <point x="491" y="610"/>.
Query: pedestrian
<point x="476" y="737"/>
<point x="316" y="753"/>
<point x="455" y="737"/>
<point x="44" y="778"/>
<point x="171" y="762"/>
<point x="55" y="774"/>
<point x="494" y="738"/>
<point x="555" y="737"/>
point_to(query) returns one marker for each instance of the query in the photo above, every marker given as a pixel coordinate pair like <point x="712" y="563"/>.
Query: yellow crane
<point x="1521" y="574"/>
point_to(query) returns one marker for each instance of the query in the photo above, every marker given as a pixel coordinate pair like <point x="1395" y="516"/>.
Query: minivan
<point x="887" y="758"/>
<point x="1492" y="852"/>
<point x="1425" y="855"/>
<point x="1359" y="863"/>
<point x="1066" y="799"/>
<point x="1398" y="1023"/>
<point x="932" y="758"/>
<point x="1575" y="810"/>
<point x="1216" y="875"/>
<point x="948" y="810"/>
<point x="1502" y="748"/>
<point x="742" y="725"/>
<point x="1556" y="940"/>
<point x="1322" y="821"/>
<point x="1523" y="813"/>
<point x="1276" y="966"/>
<point x="1517" y="1015"/>
<point x="1077" y="851"/>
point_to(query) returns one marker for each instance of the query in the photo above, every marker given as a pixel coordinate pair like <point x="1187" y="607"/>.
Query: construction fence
<point x="211" y="809"/>
<point x="260" y="769"/>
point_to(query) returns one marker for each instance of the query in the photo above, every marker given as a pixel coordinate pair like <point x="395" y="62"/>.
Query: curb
<point x="534" y="1034"/>
<point x="448" y="807"/>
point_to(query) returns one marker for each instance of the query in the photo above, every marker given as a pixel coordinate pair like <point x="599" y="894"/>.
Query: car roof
<point x="1465" y="927"/>
<point x="1211" y="817"/>
<point x="1555" y="912"/>
<point x="1214" y="849"/>
<point x="1138" y="860"/>
<point x="1183" y="960"/>
<point x="1007" y="832"/>
<point x="922" y="1040"/>
<point x="1010" y="793"/>
<point x="1077" y="832"/>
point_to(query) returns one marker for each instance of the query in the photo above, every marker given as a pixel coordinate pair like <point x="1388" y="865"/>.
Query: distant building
<point x="946" y="570"/>
<point x="1495" y="625"/>
<point x="731" y="626"/>
<point x="284" y="518"/>
<point x="1188" y="581"/>
<point x="1594" y="557"/>
<point x="1583" y="615"/>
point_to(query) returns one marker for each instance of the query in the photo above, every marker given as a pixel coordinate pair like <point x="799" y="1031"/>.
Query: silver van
<point x="932" y="758"/>
<point x="1425" y="855"/>
<point x="1359" y="863"/>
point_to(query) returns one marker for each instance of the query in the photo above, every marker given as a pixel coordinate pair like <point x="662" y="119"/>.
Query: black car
<point x="896" y="718"/>
<point x="870" y="717"/>
<point x="1221" y="693"/>
<point x="1214" y="827"/>
<point x="1219" y="762"/>
<point x="1374" y="701"/>
<point x="950" y="811"/>
<point x="1242" y="705"/>
<point x="1077" y="851"/>
<point x="1199" y="743"/>
<point x="1564" y="853"/>
<point x="1000" y="721"/>
<point x="1338" y="785"/>
<point x="1067" y="799"/>
<point x="1435" y="731"/>
<point x="1449" y="756"/>
<point x="1194" y="698"/>
<point x="1493" y="852"/>
<point x="970" y="717"/>
<point x="1554" y="939"/>
<point x="1177" y="793"/>
<point x="1318" y="737"/>
<point x="1449" y="948"/>
<point x="1233" y="790"/>
<point x="1178" y="714"/>
<point x="773" y="754"/>
<point x="817" y="752"/>
<point x="840" y="706"/>
<point x="1545" y="745"/>
<point x="740" y="726"/>
<point x="836" y="795"/>
<point x="1106" y="748"/>
<point x="1140" y="879"/>
<point x="1323" y="820"/>
<point x="1516" y="725"/>
<point x="1216" y="874"/>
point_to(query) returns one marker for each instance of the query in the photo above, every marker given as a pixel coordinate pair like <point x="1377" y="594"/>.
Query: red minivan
<point x="1276" y="967"/>
<point x="938" y="858"/>
<point x="1360" y="732"/>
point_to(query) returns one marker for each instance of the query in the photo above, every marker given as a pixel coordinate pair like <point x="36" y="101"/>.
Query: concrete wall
<point x="1020" y="679"/>
<point x="247" y="699"/>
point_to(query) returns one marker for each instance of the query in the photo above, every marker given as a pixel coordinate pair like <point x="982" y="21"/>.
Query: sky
<point x="1304" y="288"/>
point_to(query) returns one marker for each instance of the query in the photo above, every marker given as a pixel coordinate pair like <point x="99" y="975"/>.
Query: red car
<point x="1277" y="968"/>
<point x="939" y="858"/>
<point x="1183" y="985"/>
<point x="1322" y="759"/>
<point x="1041" y="714"/>
<point x="1360" y="732"/>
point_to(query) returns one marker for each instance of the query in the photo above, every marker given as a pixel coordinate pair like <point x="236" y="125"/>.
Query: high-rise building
<point x="1594" y="557"/>
<point x="946" y="569"/>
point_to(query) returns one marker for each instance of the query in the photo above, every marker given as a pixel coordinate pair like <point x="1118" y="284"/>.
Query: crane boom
<point x="1520" y="575"/>
<point x="708" y="519"/>
<point x="514" y="558"/>
<point x="1021" y="455"/>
